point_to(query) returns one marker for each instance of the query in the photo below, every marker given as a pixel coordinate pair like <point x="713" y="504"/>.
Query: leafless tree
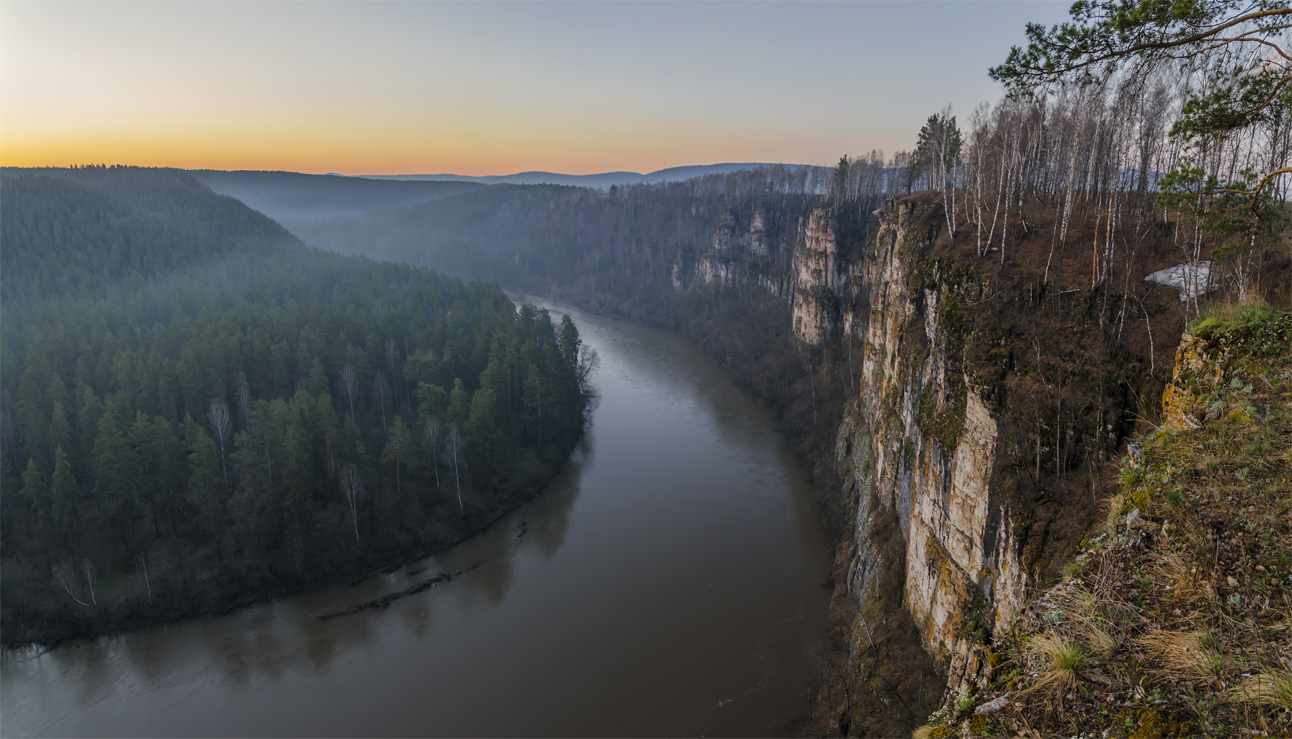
<point x="588" y="363"/>
<point x="89" y="578"/>
<point x="63" y="572"/>
<point x="329" y="436"/>
<point x="218" y="416"/>
<point x="391" y="356"/>
<point x="352" y="488"/>
<point x="143" y="562"/>
<point x="244" y="400"/>
<point x="432" y="431"/>
<point x="455" y="441"/>
<point x="383" y="389"/>
<point x="349" y="384"/>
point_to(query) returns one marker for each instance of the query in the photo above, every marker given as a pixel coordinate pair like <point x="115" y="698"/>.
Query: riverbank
<point x="666" y="584"/>
<point x="218" y="593"/>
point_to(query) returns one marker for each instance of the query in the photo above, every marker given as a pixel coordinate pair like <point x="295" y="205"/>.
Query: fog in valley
<point x="985" y="434"/>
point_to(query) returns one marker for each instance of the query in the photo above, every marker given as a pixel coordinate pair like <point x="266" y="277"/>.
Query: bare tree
<point x="382" y="387"/>
<point x="244" y="400"/>
<point x="588" y="363"/>
<point x="455" y="441"/>
<point x="143" y="561"/>
<point x="89" y="578"/>
<point x="350" y="384"/>
<point x="352" y="488"/>
<point x="391" y="356"/>
<point x="432" y="431"/>
<point x="59" y="573"/>
<point x="221" y="426"/>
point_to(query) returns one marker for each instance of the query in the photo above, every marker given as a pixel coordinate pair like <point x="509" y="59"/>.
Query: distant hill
<point x="288" y="197"/>
<point x="602" y="180"/>
<point x="79" y="229"/>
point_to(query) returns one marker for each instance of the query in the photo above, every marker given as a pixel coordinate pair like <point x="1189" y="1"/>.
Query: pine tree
<point x="114" y="468"/>
<point x="36" y="494"/>
<point x="64" y="493"/>
<point x="60" y="432"/>
<point x="459" y="404"/>
<point x="484" y="431"/>
<point x="317" y="385"/>
<point x="397" y="441"/>
<point x="205" y="486"/>
<point x="33" y="419"/>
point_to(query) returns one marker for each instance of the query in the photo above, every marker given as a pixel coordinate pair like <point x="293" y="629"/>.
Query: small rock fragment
<point x="993" y="705"/>
<point x="1136" y="455"/>
<point x="1135" y="521"/>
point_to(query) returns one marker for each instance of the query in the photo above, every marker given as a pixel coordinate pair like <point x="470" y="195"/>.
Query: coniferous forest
<point x="200" y="411"/>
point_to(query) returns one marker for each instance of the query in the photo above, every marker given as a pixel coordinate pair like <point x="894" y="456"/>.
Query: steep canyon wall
<point x="981" y="412"/>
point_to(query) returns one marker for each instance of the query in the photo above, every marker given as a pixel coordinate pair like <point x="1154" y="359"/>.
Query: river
<point x="670" y="582"/>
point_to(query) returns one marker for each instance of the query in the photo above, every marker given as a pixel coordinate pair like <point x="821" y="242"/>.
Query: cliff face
<point x="918" y="439"/>
<point x="818" y="281"/>
<point x="981" y="410"/>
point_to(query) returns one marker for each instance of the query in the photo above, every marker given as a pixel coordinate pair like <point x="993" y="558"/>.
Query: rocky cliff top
<point x="1176" y="618"/>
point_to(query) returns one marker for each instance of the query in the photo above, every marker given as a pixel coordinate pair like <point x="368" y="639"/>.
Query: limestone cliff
<point x="982" y="409"/>
<point x="918" y="438"/>
<point x="818" y="282"/>
<point x="967" y="424"/>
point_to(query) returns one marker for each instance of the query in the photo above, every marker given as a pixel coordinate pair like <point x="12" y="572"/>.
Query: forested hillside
<point x="199" y="410"/>
<point x="70" y="232"/>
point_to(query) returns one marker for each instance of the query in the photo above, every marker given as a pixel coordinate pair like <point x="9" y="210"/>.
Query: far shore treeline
<point x="199" y="410"/>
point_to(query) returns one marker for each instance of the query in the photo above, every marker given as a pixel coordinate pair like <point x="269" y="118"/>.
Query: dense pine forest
<point x="199" y="410"/>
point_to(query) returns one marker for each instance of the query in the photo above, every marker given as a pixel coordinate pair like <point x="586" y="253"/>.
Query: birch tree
<point x="454" y="441"/>
<point x="352" y="488"/>
<point x="1238" y="65"/>
<point x="218" y="417"/>
<point x="349" y="385"/>
<point x="431" y="430"/>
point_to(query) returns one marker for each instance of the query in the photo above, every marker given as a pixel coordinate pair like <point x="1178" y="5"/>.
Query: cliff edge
<point x="1174" y="619"/>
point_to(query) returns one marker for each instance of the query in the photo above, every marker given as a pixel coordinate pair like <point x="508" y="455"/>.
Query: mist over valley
<point x="985" y="432"/>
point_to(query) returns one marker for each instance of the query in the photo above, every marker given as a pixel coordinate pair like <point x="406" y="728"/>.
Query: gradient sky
<point x="488" y="87"/>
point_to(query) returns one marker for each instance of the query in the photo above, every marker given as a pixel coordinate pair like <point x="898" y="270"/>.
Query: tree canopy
<point x="185" y="386"/>
<point x="1237" y="48"/>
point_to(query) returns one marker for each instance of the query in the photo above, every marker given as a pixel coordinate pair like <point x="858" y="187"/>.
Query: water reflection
<point x="665" y="584"/>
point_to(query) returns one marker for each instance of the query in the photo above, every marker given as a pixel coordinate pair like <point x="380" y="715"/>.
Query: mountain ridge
<point x="599" y="179"/>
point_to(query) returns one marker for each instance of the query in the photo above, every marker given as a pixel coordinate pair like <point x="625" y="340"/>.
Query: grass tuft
<point x="1102" y="644"/>
<point x="1185" y="654"/>
<point x="1268" y="688"/>
<point x="1063" y="660"/>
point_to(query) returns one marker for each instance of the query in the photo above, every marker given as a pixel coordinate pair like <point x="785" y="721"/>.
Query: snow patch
<point x="1192" y="279"/>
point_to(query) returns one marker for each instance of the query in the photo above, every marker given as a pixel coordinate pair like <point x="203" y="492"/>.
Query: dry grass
<point x="1062" y="661"/>
<point x="1181" y="625"/>
<point x="1184" y="655"/>
<point x="1102" y="645"/>
<point x="1181" y="574"/>
<point x="1267" y="688"/>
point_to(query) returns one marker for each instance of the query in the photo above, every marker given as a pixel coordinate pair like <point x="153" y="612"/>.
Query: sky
<point x="481" y="88"/>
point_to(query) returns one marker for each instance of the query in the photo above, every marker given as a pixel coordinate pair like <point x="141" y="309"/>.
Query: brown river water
<point x="669" y="583"/>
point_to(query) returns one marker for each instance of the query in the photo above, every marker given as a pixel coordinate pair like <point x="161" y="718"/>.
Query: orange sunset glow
<point x="466" y="88"/>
